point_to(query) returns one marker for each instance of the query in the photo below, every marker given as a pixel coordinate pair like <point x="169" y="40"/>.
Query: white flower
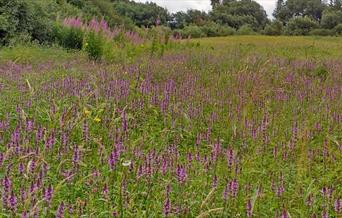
<point x="127" y="163"/>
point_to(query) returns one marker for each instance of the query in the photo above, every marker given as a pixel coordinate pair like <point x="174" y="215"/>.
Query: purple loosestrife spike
<point x="249" y="212"/>
<point x="226" y="191"/>
<point x="23" y="194"/>
<point x="76" y="156"/>
<point x="167" y="207"/>
<point x="7" y="184"/>
<point x="325" y="214"/>
<point x="230" y="157"/>
<point x="60" y="210"/>
<point x="284" y="214"/>
<point x="24" y="215"/>
<point x="13" y="201"/>
<point x="39" y="134"/>
<point x="167" y="203"/>
<point x="85" y="130"/>
<point x="21" y="168"/>
<point x="338" y="205"/>
<point x="234" y="188"/>
<point x="32" y="166"/>
<point x="29" y="125"/>
<point x="309" y="200"/>
<point x="105" y="190"/>
<point x="1" y="158"/>
<point x="164" y="166"/>
<point x="214" y="182"/>
<point x="48" y="193"/>
<point x="181" y="174"/>
<point x="113" y="159"/>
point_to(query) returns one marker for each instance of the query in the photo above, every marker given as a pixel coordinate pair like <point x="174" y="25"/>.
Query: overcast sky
<point x="183" y="5"/>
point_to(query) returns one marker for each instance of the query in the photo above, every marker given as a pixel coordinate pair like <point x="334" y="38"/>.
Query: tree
<point x="274" y="28"/>
<point x="215" y="3"/>
<point x="331" y="18"/>
<point x="294" y="8"/>
<point x="142" y="14"/>
<point x="300" y="26"/>
<point x="238" y="13"/>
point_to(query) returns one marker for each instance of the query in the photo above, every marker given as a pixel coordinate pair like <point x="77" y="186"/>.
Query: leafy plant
<point x="93" y="45"/>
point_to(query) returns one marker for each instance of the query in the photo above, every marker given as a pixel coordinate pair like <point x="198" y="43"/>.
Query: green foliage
<point x="192" y="31"/>
<point x="321" y="32"/>
<point x="93" y="45"/>
<point x="331" y="18"/>
<point x="338" y="29"/>
<point x="69" y="37"/>
<point x="142" y="14"/>
<point x="213" y="29"/>
<point x="238" y="13"/>
<point x="293" y="8"/>
<point x="274" y="28"/>
<point x="246" y="30"/>
<point x="300" y="26"/>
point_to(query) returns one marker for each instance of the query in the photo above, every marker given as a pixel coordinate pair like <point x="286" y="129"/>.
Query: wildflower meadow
<point x="240" y="126"/>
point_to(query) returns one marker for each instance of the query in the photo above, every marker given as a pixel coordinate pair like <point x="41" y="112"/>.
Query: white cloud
<point x="204" y="5"/>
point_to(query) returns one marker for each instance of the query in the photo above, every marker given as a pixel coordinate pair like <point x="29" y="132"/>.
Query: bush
<point x="300" y="26"/>
<point x="213" y="29"/>
<point x="70" y="37"/>
<point x="338" y="29"/>
<point x="94" y="45"/>
<point x="26" y="16"/>
<point x="192" y="31"/>
<point x="274" y="29"/>
<point x="331" y="18"/>
<point x="246" y="30"/>
<point x="321" y="32"/>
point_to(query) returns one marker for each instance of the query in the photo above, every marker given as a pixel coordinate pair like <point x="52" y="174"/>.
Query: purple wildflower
<point x="181" y="174"/>
<point x="60" y="210"/>
<point x="338" y="206"/>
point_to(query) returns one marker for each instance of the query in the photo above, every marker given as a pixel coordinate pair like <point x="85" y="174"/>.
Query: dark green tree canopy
<point x="142" y="14"/>
<point x="292" y="8"/>
<point x="238" y="13"/>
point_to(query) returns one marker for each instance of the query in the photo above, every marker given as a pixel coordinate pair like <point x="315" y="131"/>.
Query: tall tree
<point x="293" y="8"/>
<point x="238" y="13"/>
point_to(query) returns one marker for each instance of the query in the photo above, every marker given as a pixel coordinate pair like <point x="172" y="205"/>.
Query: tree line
<point x="35" y="19"/>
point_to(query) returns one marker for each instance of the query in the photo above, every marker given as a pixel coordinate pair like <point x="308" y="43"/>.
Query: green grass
<point x="261" y="111"/>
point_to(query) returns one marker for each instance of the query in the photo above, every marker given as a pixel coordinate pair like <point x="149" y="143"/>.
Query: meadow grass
<point x="242" y="126"/>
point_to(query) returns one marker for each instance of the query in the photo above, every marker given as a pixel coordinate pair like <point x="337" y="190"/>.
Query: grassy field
<point x="243" y="126"/>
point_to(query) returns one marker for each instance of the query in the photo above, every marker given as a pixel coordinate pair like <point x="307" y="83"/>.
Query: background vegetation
<point x="25" y="20"/>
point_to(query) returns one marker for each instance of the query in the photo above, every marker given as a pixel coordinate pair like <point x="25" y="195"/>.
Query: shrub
<point x="246" y="30"/>
<point x="274" y="29"/>
<point x="94" y="45"/>
<point x="338" y="29"/>
<point x="192" y="31"/>
<point x="27" y="16"/>
<point x="331" y="18"/>
<point x="213" y="29"/>
<point x="321" y="32"/>
<point x="70" y="37"/>
<point x="300" y="26"/>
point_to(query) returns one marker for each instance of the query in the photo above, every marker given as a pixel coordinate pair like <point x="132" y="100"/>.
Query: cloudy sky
<point x="183" y="5"/>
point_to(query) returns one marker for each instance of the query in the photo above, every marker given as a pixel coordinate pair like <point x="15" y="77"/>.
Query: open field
<point x="243" y="126"/>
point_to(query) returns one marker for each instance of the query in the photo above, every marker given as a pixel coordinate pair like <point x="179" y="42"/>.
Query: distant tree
<point x="274" y="28"/>
<point x="300" y="26"/>
<point x="282" y="12"/>
<point x="142" y="14"/>
<point x="196" y="17"/>
<point x="331" y="18"/>
<point x="238" y="13"/>
<point x="293" y="8"/>
<point x="215" y="3"/>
